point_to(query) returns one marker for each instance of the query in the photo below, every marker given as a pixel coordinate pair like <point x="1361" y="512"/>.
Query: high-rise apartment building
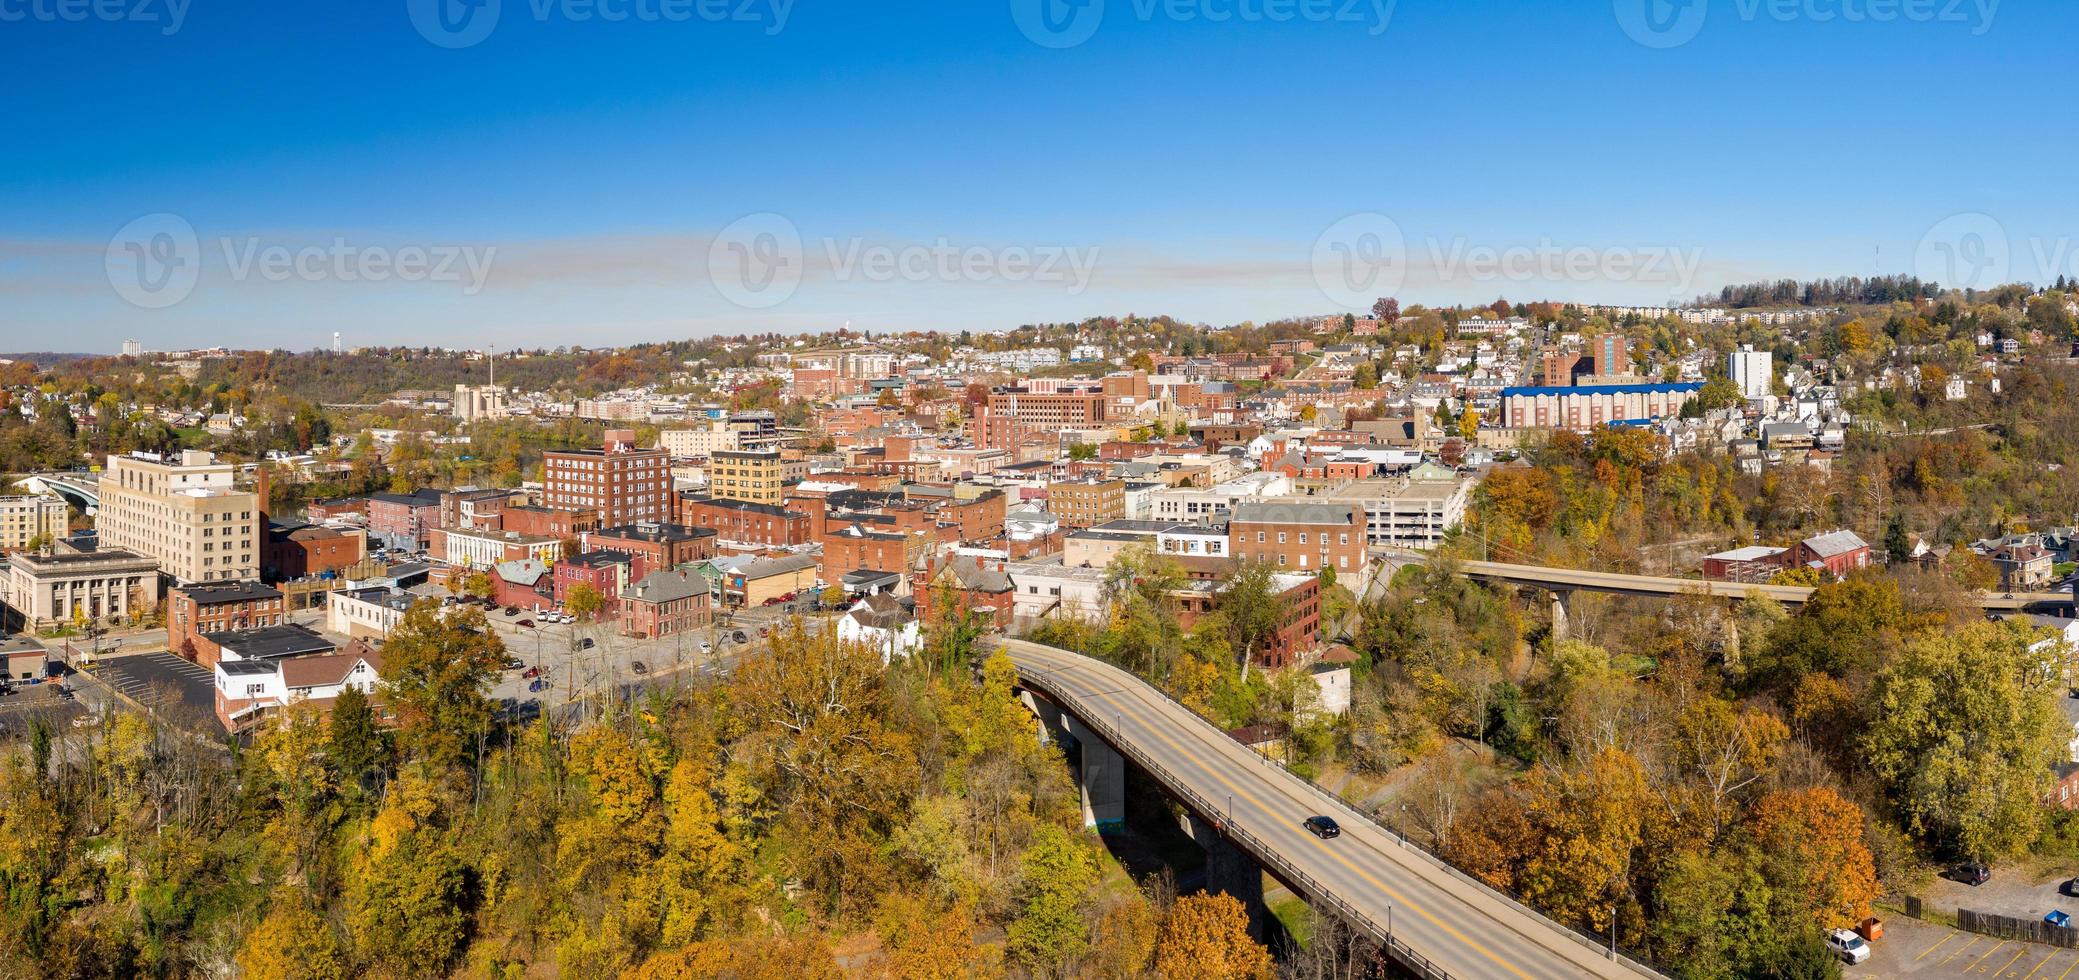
<point x="753" y="476"/>
<point x="619" y="482"/>
<point x="26" y="518"/>
<point x="187" y="514"/>
<point x="1753" y="371"/>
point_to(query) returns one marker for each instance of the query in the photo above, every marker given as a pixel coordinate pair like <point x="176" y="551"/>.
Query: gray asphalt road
<point x="1467" y="930"/>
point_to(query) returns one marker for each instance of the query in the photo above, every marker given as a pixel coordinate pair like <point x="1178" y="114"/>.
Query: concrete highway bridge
<point x="1564" y="582"/>
<point x="81" y="490"/>
<point x="1246" y="812"/>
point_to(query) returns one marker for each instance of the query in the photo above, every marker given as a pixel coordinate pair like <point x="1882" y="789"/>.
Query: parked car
<point x="538" y="686"/>
<point x="705" y="646"/>
<point x="1848" y="946"/>
<point x="1973" y="874"/>
<point x="639" y="667"/>
<point x="2070" y="886"/>
<point x="511" y="611"/>
<point x="514" y="663"/>
<point x="526" y="624"/>
<point x="586" y="644"/>
<point x="741" y="638"/>
<point x="1323" y="827"/>
<point x="531" y="673"/>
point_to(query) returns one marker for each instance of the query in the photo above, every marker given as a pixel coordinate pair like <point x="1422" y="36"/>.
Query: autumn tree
<point x="292" y="942"/>
<point x="1964" y="730"/>
<point x="1813" y="838"/>
<point x="1590" y="821"/>
<point x="355" y="744"/>
<point x="1054" y="886"/>
<point x="435" y="668"/>
<point x="584" y="602"/>
<point x="1207" y="935"/>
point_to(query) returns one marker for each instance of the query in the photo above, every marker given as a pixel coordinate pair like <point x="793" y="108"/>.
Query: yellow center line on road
<point x="1346" y="863"/>
<point x="1988" y="955"/>
<point x="1939" y="945"/>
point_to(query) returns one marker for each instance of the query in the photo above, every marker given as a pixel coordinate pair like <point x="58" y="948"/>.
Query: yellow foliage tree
<point x="1207" y="936"/>
<point x="1816" y="834"/>
<point x="292" y="942"/>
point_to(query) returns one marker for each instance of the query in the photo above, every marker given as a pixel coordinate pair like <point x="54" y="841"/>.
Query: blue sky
<point x="1186" y="157"/>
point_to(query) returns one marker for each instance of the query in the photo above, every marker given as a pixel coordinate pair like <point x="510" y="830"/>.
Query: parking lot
<point x="181" y="691"/>
<point x="1928" y="950"/>
<point x="33" y="701"/>
<point x="571" y="671"/>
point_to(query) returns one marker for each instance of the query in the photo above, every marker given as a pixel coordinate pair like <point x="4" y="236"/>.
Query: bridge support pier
<point x="1101" y="774"/>
<point x="1230" y="871"/>
<point x="1561" y="619"/>
<point x="1100" y="769"/>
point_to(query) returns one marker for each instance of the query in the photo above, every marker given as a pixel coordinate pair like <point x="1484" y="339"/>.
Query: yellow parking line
<point x="2068" y="969"/>
<point x="1939" y="945"/>
<point x="1988" y="955"/>
<point x="1965" y="948"/>
<point x="2017" y="955"/>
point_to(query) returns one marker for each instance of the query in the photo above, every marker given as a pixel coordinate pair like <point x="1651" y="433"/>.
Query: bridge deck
<point x="1461" y="928"/>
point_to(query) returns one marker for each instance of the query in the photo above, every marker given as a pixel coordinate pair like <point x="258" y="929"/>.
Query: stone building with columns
<point x="65" y="585"/>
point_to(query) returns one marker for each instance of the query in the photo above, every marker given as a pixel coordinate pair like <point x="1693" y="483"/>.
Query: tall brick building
<point x="1297" y="536"/>
<point x="621" y="483"/>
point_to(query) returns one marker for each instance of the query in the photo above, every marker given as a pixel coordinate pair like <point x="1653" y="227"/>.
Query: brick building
<point x="1298" y="595"/>
<point x="607" y="572"/>
<point x="661" y="545"/>
<point x="744" y="522"/>
<point x="1300" y="536"/>
<point x="620" y="482"/>
<point x="404" y="521"/>
<point x="856" y="547"/>
<point x="192" y="610"/>
<point x="1087" y="503"/>
<point x="294" y="551"/>
<point x="670" y="602"/>
<point x="550" y="522"/>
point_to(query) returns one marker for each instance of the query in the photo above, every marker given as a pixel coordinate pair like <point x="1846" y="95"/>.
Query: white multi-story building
<point x="26" y="518"/>
<point x="1752" y="371"/>
<point x="187" y="515"/>
<point x="1411" y="514"/>
<point x="700" y="442"/>
<point x="1181" y="504"/>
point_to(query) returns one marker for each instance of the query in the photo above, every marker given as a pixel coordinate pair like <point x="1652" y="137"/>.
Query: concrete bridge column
<point x="1101" y="772"/>
<point x="1230" y="871"/>
<point x="1560" y="618"/>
